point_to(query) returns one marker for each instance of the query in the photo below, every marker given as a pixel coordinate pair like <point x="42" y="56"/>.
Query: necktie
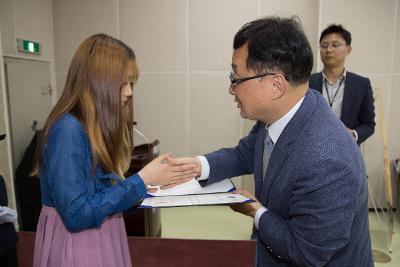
<point x="268" y="146"/>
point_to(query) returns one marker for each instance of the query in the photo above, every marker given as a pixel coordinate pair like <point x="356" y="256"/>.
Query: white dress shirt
<point x="336" y="93"/>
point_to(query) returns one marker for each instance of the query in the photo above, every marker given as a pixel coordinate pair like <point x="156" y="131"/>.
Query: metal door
<point x="29" y="97"/>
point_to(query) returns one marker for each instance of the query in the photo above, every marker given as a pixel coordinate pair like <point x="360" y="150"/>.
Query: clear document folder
<point x="193" y="194"/>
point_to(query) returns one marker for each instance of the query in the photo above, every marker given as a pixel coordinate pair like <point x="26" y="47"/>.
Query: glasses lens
<point x="332" y="45"/>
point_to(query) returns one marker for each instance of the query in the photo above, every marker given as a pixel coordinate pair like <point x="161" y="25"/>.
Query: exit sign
<point x="28" y="46"/>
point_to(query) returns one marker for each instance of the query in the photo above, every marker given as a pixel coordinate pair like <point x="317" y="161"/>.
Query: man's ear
<point x="278" y="86"/>
<point x="349" y="50"/>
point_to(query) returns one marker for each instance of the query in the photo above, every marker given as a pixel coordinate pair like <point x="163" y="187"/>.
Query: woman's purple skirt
<point x="56" y="246"/>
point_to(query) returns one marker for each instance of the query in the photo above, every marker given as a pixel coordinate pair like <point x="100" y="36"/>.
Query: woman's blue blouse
<point x="82" y="197"/>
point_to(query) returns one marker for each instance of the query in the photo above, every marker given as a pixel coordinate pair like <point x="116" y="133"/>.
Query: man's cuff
<point x="205" y="168"/>
<point x="355" y="134"/>
<point x="258" y="215"/>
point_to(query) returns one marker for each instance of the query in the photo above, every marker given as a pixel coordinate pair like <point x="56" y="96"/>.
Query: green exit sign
<point x="28" y="46"/>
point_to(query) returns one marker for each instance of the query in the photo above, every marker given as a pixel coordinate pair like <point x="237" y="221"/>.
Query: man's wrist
<point x="205" y="168"/>
<point x="258" y="215"/>
<point x="354" y="134"/>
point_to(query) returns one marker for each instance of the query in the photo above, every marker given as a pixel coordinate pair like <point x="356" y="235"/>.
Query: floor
<point x="379" y="229"/>
<point x="220" y="222"/>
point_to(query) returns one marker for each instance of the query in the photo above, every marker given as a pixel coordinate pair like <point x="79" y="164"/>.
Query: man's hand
<point x="248" y="209"/>
<point x="161" y="172"/>
<point x="186" y="161"/>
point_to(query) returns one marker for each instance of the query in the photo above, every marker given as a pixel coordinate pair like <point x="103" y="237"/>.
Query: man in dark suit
<point x="310" y="180"/>
<point x="348" y="94"/>
<point x="8" y="236"/>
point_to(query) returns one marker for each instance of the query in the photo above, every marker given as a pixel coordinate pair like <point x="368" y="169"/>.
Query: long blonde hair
<point x="101" y="66"/>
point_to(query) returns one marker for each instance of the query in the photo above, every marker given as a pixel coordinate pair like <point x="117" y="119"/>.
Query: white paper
<point x="193" y="187"/>
<point x="192" y="200"/>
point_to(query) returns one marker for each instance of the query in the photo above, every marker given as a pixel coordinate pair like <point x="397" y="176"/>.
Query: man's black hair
<point x="337" y="28"/>
<point x="276" y="43"/>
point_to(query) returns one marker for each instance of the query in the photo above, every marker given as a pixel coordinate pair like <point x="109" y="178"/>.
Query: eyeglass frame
<point x="326" y="46"/>
<point x="235" y="82"/>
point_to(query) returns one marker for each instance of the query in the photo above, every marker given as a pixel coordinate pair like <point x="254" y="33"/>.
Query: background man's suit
<point x="315" y="190"/>
<point x="358" y="103"/>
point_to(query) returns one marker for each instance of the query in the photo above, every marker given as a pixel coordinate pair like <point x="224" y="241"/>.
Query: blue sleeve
<point x="72" y="187"/>
<point x="236" y="161"/>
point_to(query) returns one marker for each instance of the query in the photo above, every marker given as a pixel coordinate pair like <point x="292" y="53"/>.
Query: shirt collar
<point x="276" y="128"/>
<point x="341" y="77"/>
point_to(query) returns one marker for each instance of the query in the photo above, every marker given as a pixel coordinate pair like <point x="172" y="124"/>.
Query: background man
<point x="348" y="94"/>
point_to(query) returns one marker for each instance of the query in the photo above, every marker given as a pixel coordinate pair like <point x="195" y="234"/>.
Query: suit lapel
<point x="281" y="151"/>
<point x="348" y="95"/>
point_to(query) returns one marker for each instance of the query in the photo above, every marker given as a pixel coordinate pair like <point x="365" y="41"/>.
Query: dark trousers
<point x="9" y="259"/>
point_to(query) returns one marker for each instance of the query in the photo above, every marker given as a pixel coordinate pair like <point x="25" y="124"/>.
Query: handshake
<point x="167" y="172"/>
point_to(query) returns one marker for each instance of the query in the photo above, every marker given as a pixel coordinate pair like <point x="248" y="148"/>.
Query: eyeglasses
<point x="333" y="45"/>
<point x="235" y="82"/>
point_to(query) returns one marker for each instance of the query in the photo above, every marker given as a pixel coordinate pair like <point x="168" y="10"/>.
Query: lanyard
<point x="336" y="92"/>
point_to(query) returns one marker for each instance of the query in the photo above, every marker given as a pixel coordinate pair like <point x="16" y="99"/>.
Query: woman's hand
<point x="161" y="172"/>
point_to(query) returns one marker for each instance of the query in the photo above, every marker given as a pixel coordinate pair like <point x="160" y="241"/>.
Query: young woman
<point x="83" y="153"/>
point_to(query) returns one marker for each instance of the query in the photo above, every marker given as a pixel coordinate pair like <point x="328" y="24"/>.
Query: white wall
<point x="32" y="20"/>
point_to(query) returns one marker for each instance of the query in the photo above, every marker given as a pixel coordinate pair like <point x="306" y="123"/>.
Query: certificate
<point x="194" y="200"/>
<point x="193" y="194"/>
<point x="193" y="187"/>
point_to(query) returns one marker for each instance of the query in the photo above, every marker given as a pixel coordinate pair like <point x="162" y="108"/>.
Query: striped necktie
<point x="268" y="146"/>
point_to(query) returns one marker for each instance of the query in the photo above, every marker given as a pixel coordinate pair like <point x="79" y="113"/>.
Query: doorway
<point x="29" y="93"/>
